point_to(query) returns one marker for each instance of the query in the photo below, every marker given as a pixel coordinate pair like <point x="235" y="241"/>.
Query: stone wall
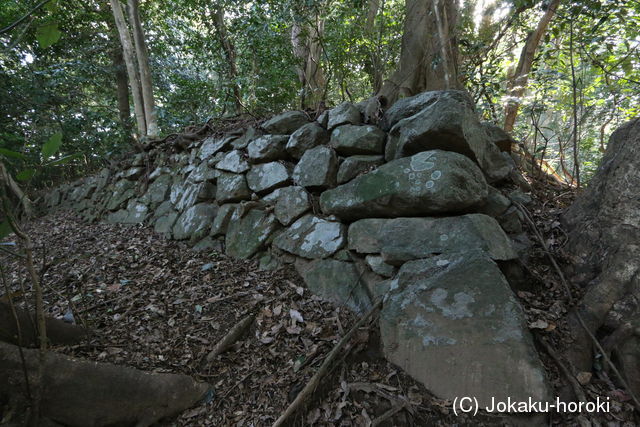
<point x="416" y="210"/>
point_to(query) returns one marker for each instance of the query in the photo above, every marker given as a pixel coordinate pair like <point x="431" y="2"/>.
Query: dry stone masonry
<point x="416" y="211"/>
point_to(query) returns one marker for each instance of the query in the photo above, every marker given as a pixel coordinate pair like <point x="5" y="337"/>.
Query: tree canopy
<point x="61" y="69"/>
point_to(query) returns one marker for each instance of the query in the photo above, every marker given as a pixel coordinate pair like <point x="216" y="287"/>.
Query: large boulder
<point x="195" y="222"/>
<point x="222" y="219"/>
<point x="343" y="114"/>
<point x="268" y="148"/>
<point x="123" y="190"/>
<point x="336" y="281"/>
<point x="317" y="168"/>
<point x="285" y="123"/>
<point x="404" y="239"/>
<point x="232" y="188"/>
<point x="312" y="237"/>
<point x="291" y="203"/>
<point x="158" y="191"/>
<point x="431" y="182"/>
<point x="307" y="137"/>
<point x="452" y="323"/>
<point x="266" y="177"/>
<point x="351" y="140"/>
<point x="248" y="234"/>
<point x="233" y="161"/>
<point x="448" y="124"/>
<point x="211" y="146"/>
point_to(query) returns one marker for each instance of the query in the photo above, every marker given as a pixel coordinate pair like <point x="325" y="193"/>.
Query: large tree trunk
<point x="376" y="69"/>
<point x="517" y="84"/>
<point x="305" y="38"/>
<point x="429" y="53"/>
<point x="145" y="74"/>
<point x="604" y="240"/>
<point x="122" y="88"/>
<point x="132" y="69"/>
<point x="230" y="54"/>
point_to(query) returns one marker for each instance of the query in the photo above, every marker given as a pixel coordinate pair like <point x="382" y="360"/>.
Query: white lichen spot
<point x="442" y="262"/>
<point x="444" y="237"/>
<point x="436" y="175"/>
<point x="429" y="184"/>
<point x="420" y="162"/>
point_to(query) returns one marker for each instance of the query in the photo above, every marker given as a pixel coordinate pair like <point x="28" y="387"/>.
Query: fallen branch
<point x="232" y="336"/>
<point x="313" y="383"/>
<point x="575" y="385"/>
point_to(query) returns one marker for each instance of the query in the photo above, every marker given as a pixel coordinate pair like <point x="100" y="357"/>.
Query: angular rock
<point x="364" y="235"/>
<point x="223" y="217"/>
<point x="447" y="124"/>
<point x="377" y="265"/>
<point x="232" y="188"/>
<point x="192" y="193"/>
<point x="404" y="239"/>
<point x="307" y="137"/>
<point x="285" y="123"/>
<point x="203" y="172"/>
<point x="211" y="146"/>
<point x="266" y="177"/>
<point x="164" y="224"/>
<point x="268" y="148"/>
<point x="135" y="213"/>
<point x="249" y="135"/>
<point x="133" y="174"/>
<point x="351" y="140"/>
<point x="336" y="281"/>
<point x="356" y="165"/>
<point x="291" y="203"/>
<point x="407" y="107"/>
<point x="452" y="323"/>
<point x="123" y="190"/>
<point x="345" y="113"/>
<point x="158" y="191"/>
<point x="317" y="168"/>
<point x="496" y="203"/>
<point x="312" y="237"/>
<point x="498" y="137"/>
<point x="249" y="234"/>
<point x="194" y="222"/>
<point x="234" y="162"/>
<point x="431" y="182"/>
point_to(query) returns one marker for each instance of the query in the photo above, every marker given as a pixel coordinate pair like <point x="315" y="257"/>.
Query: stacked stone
<point x="409" y="211"/>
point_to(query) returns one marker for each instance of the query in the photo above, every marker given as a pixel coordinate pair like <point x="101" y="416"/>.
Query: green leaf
<point x="65" y="159"/>
<point x="5" y="229"/>
<point x="52" y="6"/>
<point x="52" y="145"/>
<point x="9" y="153"/>
<point x="48" y="34"/>
<point x="26" y="175"/>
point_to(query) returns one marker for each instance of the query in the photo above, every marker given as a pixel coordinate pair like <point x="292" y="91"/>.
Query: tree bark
<point x="230" y="54"/>
<point x="145" y="73"/>
<point x="305" y="38"/>
<point x="122" y="88"/>
<point x="130" y="62"/>
<point x="429" y="52"/>
<point x="517" y="84"/>
<point x="603" y="226"/>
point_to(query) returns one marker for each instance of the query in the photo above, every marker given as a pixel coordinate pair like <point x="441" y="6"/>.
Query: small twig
<point x="313" y="383"/>
<point x="399" y="406"/>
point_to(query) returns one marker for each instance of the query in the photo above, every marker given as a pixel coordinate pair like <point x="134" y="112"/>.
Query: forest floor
<point x="157" y="305"/>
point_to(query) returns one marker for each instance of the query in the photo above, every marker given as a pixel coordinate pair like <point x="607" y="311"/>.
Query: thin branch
<point x="19" y="21"/>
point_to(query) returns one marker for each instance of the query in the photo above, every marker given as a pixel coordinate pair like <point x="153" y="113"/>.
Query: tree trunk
<point x="145" y="74"/>
<point x="230" y="54"/>
<point x="122" y="88"/>
<point x="603" y="226"/>
<point x="130" y="62"/>
<point x="377" y="65"/>
<point x="429" y="52"/>
<point x="517" y="84"/>
<point x="305" y="38"/>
